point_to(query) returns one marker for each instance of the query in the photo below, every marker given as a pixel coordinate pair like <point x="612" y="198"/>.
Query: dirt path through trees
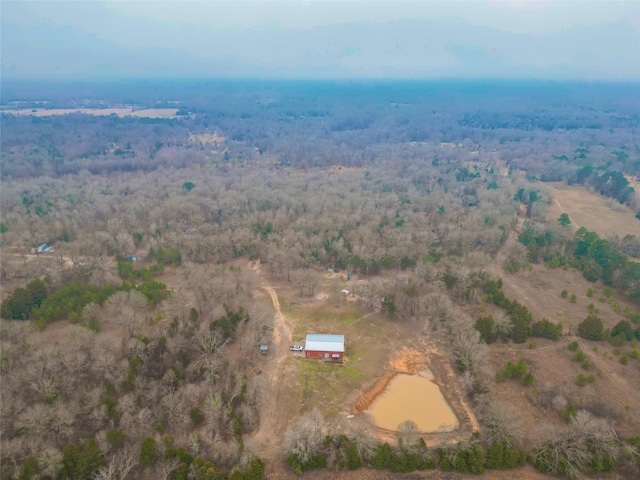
<point x="277" y="404"/>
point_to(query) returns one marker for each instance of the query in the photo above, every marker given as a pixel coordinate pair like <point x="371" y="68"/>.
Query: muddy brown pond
<point x="413" y="397"/>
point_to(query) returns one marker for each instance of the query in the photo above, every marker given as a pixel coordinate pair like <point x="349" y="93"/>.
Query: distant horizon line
<point x="114" y="79"/>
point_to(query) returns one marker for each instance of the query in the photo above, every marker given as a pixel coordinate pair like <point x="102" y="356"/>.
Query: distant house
<point x="345" y="293"/>
<point x="132" y="258"/>
<point x="327" y="347"/>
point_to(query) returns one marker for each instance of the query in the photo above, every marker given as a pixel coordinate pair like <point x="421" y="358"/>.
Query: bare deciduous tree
<point x="164" y="468"/>
<point x="502" y="325"/>
<point x="570" y="450"/>
<point x="50" y="461"/>
<point x="407" y="434"/>
<point x="363" y="438"/>
<point x="502" y="422"/>
<point x="119" y="465"/>
<point x="305" y="438"/>
<point x="438" y="307"/>
<point x="468" y="349"/>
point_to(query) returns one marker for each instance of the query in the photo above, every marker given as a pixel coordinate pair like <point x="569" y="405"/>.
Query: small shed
<point x="264" y="349"/>
<point x="132" y="258"/>
<point x="345" y="293"/>
<point x="327" y="347"/>
<point x="41" y="249"/>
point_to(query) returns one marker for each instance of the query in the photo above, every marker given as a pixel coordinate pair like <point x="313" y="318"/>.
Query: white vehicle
<point x="296" y="348"/>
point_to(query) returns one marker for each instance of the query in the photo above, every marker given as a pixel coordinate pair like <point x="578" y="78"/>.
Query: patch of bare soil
<point x="596" y="213"/>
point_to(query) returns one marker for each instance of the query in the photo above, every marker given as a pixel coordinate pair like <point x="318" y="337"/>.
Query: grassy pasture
<point x="596" y="213"/>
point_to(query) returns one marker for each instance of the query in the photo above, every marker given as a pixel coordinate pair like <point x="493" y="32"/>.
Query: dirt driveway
<point x="277" y="405"/>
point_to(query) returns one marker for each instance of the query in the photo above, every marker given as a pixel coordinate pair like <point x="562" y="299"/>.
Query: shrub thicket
<point x="23" y="301"/>
<point x="519" y="315"/>
<point x="546" y="329"/>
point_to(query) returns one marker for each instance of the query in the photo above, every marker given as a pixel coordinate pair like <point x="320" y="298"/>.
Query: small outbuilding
<point x="41" y="249"/>
<point x="327" y="347"/>
<point x="264" y="349"/>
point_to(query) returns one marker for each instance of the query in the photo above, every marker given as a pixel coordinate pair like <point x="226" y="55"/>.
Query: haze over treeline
<point x="325" y="123"/>
<point x="559" y="40"/>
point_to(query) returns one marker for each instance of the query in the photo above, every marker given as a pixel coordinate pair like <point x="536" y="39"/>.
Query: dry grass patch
<point x="540" y="291"/>
<point x="596" y="213"/>
<point x="215" y="137"/>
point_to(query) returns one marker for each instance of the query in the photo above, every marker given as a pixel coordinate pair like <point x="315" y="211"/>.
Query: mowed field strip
<point x="596" y="213"/>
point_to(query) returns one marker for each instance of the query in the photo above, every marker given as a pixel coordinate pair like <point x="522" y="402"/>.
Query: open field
<point x="613" y="393"/>
<point x="599" y="214"/>
<point x="120" y="112"/>
<point x="540" y="291"/>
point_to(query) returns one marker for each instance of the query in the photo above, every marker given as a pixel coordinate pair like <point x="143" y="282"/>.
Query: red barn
<point x="327" y="347"/>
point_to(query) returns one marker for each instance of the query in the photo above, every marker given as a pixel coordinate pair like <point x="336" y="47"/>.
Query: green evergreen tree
<point x="591" y="328"/>
<point x="148" y="452"/>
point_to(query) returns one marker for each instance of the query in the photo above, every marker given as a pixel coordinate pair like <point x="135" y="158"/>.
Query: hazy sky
<point x="321" y="39"/>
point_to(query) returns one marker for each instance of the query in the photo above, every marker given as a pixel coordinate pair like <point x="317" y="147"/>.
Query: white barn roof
<point x="325" y="343"/>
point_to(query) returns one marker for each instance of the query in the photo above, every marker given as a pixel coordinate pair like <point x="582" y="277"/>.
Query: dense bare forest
<point x="173" y="244"/>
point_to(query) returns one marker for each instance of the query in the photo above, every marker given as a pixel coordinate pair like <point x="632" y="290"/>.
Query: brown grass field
<point x="614" y="391"/>
<point x="599" y="214"/>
